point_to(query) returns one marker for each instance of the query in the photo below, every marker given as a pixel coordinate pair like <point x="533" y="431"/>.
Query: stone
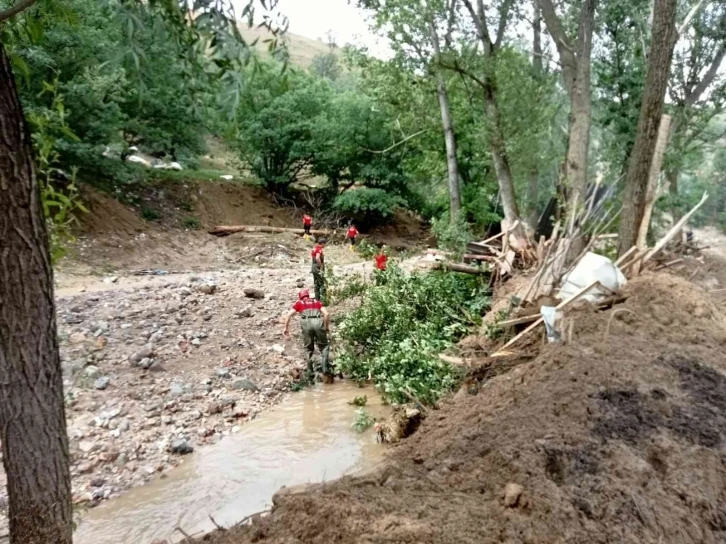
<point x="156" y="337"/>
<point x="146" y="363"/>
<point x="196" y="342"/>
<point x="278" y="348"/>
<point x="245" y="385"/>
<point x="102" y="383"/>
<point x="512" y="494"/>
<point x="254" y="293"/>
<point x="110" y="279"/>
<point x="156" y="366"/>
<point x="223" y="373"/>
<point x="87" y="447"/>
<point x="240" y="411"/>
<point x="245" y="312"/>
<point x="98" y="482"/>
<point x="215" y="408"/>
<point x="181" y="447"/>
<point x="176" y="389"/>
<point x="208" y="288"/>
<point x="145" y="352"/>
<point x="77" y="338"/>
<point x="92" y="372"/>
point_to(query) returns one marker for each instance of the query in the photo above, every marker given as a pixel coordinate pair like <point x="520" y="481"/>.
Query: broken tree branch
<point x="226" y="230"/>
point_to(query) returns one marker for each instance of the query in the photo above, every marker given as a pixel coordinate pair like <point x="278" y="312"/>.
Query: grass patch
<point x="191" y="223"/>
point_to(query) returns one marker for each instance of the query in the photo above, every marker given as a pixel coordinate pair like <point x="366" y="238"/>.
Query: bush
<point x="150" y="214"/>
<point x="191" y="223"/>
<point x="396" y="334"/>
<point x="367" y="206"/>
<point x="452" y="235"/>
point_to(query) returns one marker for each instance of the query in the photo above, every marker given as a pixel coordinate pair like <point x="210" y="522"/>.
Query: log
<point x="472" y="257"/>
<point x="464" y="269"/>
<point x="539" y="321"/>
<point x="675" y="230"/>
<point x="456" y="361"/>
<point x="226" y="230"/>
<point x="610" y="301"/>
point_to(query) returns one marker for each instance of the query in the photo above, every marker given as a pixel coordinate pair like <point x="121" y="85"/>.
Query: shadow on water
<point x="307" y="438"/>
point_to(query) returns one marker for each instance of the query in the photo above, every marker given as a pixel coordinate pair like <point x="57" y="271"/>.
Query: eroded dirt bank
<point x="617" y="437"/>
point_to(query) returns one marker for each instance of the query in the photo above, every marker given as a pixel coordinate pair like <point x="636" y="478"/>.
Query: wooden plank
<point x="675" y="230"/>
<point x="539" y="321"/>
<point x="497" y="236"/>
<point x="626" y="256"/>
<point x="226" y="230"/>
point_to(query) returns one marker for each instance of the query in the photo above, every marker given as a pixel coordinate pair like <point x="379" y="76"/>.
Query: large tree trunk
<point x="452" y="162"/>
<point x="32" y="413"/>
<point x="672" y="173"/>
<point x="533" y="185"/>
<point x="499" y="156"/>
<point x="656" y="81"/>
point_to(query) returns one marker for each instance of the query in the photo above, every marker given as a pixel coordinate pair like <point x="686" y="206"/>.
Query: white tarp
<point x="592" y="267"/>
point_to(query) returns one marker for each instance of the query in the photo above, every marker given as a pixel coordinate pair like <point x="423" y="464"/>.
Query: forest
<point x="513" y="111"/>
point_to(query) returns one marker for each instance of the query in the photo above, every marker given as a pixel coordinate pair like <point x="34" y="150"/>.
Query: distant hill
<point x="302" y="50"/>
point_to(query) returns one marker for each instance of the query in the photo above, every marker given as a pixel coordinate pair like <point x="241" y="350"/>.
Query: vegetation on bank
<point x="402" y="324"/>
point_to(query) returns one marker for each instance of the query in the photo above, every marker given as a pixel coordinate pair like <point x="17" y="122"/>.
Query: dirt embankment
<point x="167" y="228"/>
<point x="619" y="436"/>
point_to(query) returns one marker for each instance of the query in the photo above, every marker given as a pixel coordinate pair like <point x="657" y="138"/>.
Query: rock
<point x="245" y="312"/>
<point x="215" y="408"/>
<point x="176" y="389"/>
<point x="156" y="366"/>
<point x="98" y="482"/>
<point x="124" y="425"/>
<point x="77" y="338"/>
<point x="254" y="293"/>
<point x="196" y="342"/>
<point x="146" y="363"/>
<point x="102" y="383"/>
<point x="144" y="353"/>
<point x="92" y="372"/>
<point x="181" y="447"/>
<point x="156" y="337"/>
<point x="110" y="279"/>
<point x="223" y="373"/>
<point x="240" y="411"/>
<point x="245" y="385"/>
<point x="512" y="494"/>
<point x="278" y="348"/>
<point x="207" y="288"/>
<point x="87" y="447"/>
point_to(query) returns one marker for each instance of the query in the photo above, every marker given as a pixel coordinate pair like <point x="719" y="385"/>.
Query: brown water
<point x="307" y="438"/>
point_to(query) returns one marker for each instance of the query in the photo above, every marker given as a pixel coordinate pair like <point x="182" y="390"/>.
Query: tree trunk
<point x="533" y="185"/>
<point x="32" y="413"/>
<point x="499" y="157"/>
<point x="656" y="81"/>
<point x="452" y="162"/>
<point x="672" y="175"/>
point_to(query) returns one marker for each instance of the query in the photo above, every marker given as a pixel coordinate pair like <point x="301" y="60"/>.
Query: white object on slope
<point x="592" y="267"/>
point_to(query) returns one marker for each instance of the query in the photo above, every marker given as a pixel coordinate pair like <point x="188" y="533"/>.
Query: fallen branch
<point x="456" y="361"/>
<point x="226" y="230"/>
<point x="626" y="255"/>
<point x="464" y="269"/>
<point x="675" y="230"/>
<point x="539" y="321"/>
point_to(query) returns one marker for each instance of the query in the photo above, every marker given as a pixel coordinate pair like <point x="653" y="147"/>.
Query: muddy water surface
<point x="307" y="438"/>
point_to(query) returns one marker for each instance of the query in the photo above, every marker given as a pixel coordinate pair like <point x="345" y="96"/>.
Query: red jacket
<point x="381" y="262"/>
<point x="307" y="220"/>
<point x="352" y="232"/>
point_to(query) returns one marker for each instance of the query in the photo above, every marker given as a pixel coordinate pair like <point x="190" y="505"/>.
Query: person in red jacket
<point x="318" y="268"/>
<point x="307" y="224"/>
<point x="351" y="234"/>
<point x="382" y="259"/>
<point x="315" y="324"/>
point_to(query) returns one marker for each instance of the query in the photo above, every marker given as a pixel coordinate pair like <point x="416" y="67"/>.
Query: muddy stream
<point x="307" y="438"/>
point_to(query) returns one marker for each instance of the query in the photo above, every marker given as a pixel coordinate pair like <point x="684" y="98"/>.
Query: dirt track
<point x="617" y="437"/>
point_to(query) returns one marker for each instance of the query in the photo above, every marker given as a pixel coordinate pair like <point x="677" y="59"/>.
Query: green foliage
<point x="59" y="194"/>
<point x="399" y="329"/>
<point x="362" y="420"/>
<point x="191" y="223"/>
<point x="326" y="66"/>
<point x="150" y="214"/>
<point x="340" y="288"/>
<point x="359" y="401"/>
<point x="365" y="249"/>
<point x="366" y="206"/>
<point x="452" y="234"/>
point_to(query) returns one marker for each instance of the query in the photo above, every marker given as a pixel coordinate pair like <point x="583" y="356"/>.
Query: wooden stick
<point x="634" y="260"/>
<point x="464" y="269"/>
<point x="675" y="230"/>
<point x="534" y="325"/>
<point x="669" y="263"/>
<point x="626" y="255"/>
<point x="511" y="229"/>
<point x="456" y="361"/>
<point x="226" y="230"/>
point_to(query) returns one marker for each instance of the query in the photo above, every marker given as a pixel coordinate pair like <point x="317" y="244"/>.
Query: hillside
<point x="302" y="50"/>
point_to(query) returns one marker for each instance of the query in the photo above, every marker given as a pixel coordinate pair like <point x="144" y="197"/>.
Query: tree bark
<point x="452" y="163"/>
<point x="656" y="81"/>
<point x="32" y="413"/>
<point x="533" y="184"/>
<point x="652" y="190"/>
<point x="576" y="63"/>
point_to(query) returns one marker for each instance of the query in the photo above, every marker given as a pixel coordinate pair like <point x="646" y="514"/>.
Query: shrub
<point x="367" y="206"/>
<point x="150" y="214"/>
<point x="452" y="235"/>
<point x="396" y="334"/>
<point x="191" y="223"/>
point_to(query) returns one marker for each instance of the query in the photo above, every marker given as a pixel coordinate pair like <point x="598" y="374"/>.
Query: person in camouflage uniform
<point x="318" y="269"/>
<point x="315" y="324"/>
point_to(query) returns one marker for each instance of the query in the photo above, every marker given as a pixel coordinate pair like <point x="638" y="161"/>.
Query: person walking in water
<point x="318" y="269"/>
<point x="307" y="224"/>
<point x="315" y="324"/>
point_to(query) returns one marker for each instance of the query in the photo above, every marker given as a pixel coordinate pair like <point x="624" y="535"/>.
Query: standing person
<point x="351" y="234"/>
<point x="318" y="268"/>
<point x="307" y="224"/>
<point x="382" y="259"/>
<point x="315" y="324"/>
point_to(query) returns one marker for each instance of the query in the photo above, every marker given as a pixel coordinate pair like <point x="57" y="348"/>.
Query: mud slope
<point x="617" y="437"/>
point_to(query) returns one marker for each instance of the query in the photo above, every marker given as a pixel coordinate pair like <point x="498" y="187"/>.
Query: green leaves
<point x="402" y="325"/>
